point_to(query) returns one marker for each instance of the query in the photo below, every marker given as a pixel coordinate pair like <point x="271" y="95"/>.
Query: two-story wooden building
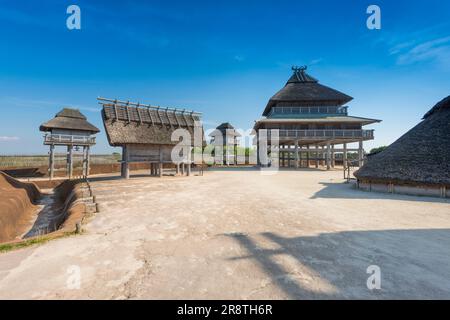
<point x="311" y="119"/>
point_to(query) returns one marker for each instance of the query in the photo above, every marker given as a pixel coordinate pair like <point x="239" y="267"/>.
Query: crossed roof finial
<point x="301" y="69"/>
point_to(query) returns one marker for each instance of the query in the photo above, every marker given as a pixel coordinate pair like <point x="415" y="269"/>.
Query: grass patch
<point x="33" y="241"/>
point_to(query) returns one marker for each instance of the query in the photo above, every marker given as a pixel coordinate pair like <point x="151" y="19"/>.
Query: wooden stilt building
<point x="145" y="134"/>
<point x="312" y="120"/>
<point x="226" y="140"/>
<point x="70" y="129"/>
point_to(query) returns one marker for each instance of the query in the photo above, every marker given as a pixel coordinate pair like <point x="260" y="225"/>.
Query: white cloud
<point x="239" y="58"/>
<point x="7" y="138"/>
<point x="436" y="50"/>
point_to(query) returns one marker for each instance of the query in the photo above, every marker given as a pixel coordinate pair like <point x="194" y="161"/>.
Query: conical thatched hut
<point x="418" y="162"/>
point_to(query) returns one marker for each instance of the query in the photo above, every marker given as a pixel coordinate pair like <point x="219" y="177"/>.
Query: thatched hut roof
<point x="126" y="124"/>
<point x="420" y="156"/>
<point x="301" y="88"/>
<point x="225" y="129"/>
<point x="69" y="119"/>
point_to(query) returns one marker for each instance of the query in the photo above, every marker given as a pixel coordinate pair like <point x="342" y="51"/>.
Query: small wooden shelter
<point x="225" y="138"/>
<point x="69" y="128"/>
<point x="145" y="134"/>
<point x="418" y="162"/>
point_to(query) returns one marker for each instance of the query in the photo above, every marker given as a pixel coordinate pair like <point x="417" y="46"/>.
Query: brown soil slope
<point x="16" y="206"/>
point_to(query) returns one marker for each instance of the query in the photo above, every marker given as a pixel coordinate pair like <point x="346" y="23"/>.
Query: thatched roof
<point x="420" y="156"/>
<point x="69" y="119"/>
<point x="225" y="128"/>
<point x="144" y="125"/>
<point x="303" y="89"/>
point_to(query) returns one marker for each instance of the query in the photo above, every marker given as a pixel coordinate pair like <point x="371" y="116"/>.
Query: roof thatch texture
<point x="225" y="128"/>
<point x="303" y="89"/>
<point x="69" y="119"/>
<point x="420" y="156"/>
<point x="142" y="125"/>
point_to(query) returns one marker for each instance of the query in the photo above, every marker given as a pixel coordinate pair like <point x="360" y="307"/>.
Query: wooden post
<point x="125" y="164"/>
<point x="333" y="159"/>
<point x="52" y="161"/>
<point x="323" y="156"/>
<point x="344" y="157"/>
<point x="188" y="173"/>
<point x="70" y="161"/>
<point x="296" y="154"/>
<point x="360" y="154"/>
<point x="289" y="155"/>
<point x="177" y="168"/>
<point x="317" y="156"/>
<point x="88" y="160"/>
<point x="307" y="156"/>
<point x="160" y="162"/>
<point x="328" y="157"/>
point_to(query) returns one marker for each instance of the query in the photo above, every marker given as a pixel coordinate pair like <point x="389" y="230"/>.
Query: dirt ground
<point x="238" y="234"/>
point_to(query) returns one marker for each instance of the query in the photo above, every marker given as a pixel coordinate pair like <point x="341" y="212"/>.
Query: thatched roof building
<point x="145" y="132"/>
<point x="421" y="157"/>
<point x="69" y="119"/>
<point x="225" y="137"/>
<point x="142" y="125"/>
<point x="301" y="87"/>
<point x="71" y="129"/>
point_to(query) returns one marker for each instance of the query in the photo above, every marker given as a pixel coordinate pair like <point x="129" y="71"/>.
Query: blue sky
<point x="223" y="58"/>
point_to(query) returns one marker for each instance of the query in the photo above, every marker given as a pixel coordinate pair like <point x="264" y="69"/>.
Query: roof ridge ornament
<point x="297" y="68"/>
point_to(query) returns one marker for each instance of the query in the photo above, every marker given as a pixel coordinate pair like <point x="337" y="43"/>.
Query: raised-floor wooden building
<point x="312" y="119"/>
<point x="69" y="128"/>
<point x="145" y="134"/>
<point x="225" y="139"/>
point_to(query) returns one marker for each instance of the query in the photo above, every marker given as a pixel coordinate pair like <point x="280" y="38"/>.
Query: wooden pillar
<point x="328" y="157"/>
<point x="333" y="156"/>
<point x="296" y="154"/>
<point x="160" y="165"/>
<point x="51" y="159"/>
<point x="182" y="168"/>
<point x="307" y="156"/>
<point x="70" y="161"/>
<point x="88" y="160"/>
<point x="188" y="173"/>
<point x="177" y="168"/>
<point x="360" y="154"/>
<point x="289" y="155"/>
<point x="125" y="163"/>
<point x="323" y="156"/>
<point x="344" y="156"/>
<point x="317" y="156"/>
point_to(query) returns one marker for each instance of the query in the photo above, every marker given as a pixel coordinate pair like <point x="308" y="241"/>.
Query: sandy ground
<point x="241" y="235"/>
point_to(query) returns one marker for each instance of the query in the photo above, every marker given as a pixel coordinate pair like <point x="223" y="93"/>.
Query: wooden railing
<point x="326" y="134"/>
<point x="340" y="110"/>
<point x="69" y="139"/>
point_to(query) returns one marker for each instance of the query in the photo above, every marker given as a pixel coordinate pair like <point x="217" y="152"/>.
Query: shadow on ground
<point x="414" y="263"/>
<point x="345" y="190"/>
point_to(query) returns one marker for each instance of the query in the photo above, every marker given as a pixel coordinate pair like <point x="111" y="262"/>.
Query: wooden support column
<point x="333" y="156"/>
<point x="182" y="168"/>
<point x="360" y="154"/>
<point x="344" y="156"/>
<point x="88" y="160"/>
<point x="160" y="162"/>
<point x="177" y="168"/>
<point x="125" y="163"/>
<point x="51" y="159"/>
<point x="323" y="156"/>
<point x="188" y="169"/>
<point x="70" y="161"/>
<point x="289" y="156"/>
<point x="328" y="157"/>
<point x="307" y="156"/>
<point x="317" y="156"/>
<point x="296" y="154"/>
